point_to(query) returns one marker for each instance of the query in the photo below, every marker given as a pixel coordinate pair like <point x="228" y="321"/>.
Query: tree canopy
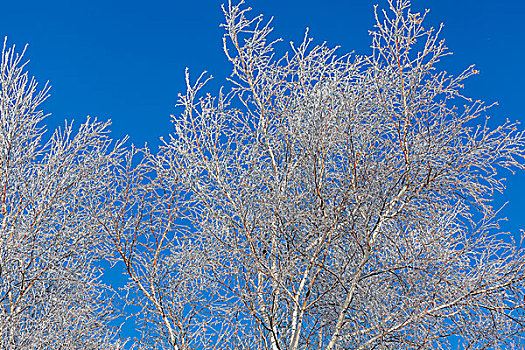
<point x="318" y="201"/>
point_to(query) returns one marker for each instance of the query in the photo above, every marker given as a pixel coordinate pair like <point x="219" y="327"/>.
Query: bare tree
<point x="51" y="296"/>
<point x="324" y="202"/>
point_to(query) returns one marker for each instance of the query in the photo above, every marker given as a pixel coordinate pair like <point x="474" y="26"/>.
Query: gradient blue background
<point x="125" y="60"/>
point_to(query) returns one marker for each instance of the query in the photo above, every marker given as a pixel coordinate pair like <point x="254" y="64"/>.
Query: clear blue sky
<point x="125" y="60"/>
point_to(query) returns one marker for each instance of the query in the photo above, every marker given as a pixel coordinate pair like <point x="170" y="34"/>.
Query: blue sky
<point x="125" y="60"/>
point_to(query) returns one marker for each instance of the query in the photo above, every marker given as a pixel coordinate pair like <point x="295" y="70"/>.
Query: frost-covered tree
<point x="324" y="201"/>
<point x="51" y="296"/>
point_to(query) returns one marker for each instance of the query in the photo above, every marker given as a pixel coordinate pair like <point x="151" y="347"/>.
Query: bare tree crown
<point x="318" y="201"/>
<point x="326" y="202"/>
<point x="51" y="296"/>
